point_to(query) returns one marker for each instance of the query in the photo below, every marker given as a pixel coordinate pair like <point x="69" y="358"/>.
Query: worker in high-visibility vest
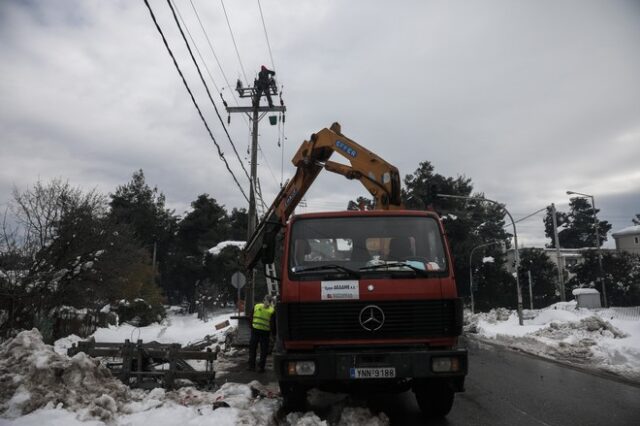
<point x="260" y="331"/>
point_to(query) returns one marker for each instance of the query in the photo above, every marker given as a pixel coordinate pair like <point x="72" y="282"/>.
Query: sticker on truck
<point x="340" y="290"/>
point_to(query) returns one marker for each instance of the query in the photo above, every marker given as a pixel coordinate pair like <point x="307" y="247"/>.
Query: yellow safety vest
<point x="262" y="317"/>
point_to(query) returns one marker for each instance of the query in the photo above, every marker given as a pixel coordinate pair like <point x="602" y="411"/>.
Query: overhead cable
<point x="169" y="2"/>
<point x="186" y="28"/>
<point x="266" y="36"/>
<point x="186" y="85"/>
<point x="246" y="80"/>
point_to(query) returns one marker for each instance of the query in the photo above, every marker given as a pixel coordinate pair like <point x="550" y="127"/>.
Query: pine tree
<point x="578" y="231"/>
<point x="468" y="223"/>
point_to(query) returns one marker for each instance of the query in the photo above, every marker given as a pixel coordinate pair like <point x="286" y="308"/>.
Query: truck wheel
<point x="434" y="401"/>
<point x="294" y="397"/>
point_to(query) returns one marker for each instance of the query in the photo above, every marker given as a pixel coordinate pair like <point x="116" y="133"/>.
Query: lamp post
<point x="515" y="241"/>
<point x="595" y="229"/>
<point x="471" y="270"/>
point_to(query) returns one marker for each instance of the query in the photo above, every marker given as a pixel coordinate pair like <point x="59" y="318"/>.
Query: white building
<point x="569" y="257"/>
<point x="628" y="239"/>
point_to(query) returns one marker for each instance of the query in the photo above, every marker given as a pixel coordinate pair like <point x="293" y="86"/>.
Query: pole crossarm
<point x="249" y="109"/>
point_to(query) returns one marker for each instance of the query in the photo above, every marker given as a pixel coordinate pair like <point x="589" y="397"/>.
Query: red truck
<point x="367" y="298"/>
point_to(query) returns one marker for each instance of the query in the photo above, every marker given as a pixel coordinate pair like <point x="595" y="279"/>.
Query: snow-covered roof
<point x="630" y="230"/>
<point x="223" y="244"/>
<point x="577" y="291"/>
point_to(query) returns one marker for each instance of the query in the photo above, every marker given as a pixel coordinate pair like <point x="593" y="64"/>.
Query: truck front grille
<point x="342" y="319"/>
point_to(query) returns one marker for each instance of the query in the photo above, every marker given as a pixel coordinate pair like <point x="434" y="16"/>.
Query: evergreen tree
<point x="636" y="220"/>
<point x="204" y="226"/>
<point x="543" y="276"/>
<point x="143" y="209"/>
<point x="578" y="225"/>
<point x="621" y="276"/>
<point x="468" y="223"/>
<point x="239" y="221"/>
<point x="361" y="203"/>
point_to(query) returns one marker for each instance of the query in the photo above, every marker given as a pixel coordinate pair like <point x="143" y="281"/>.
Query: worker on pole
<point x="260" y="332"/>
<point x="263" y="84"/>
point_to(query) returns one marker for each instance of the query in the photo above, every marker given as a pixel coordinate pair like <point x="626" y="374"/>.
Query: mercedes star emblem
<point x="371" y="318"/>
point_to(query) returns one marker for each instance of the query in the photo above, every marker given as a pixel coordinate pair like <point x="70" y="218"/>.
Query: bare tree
<point x="39" y="209"/>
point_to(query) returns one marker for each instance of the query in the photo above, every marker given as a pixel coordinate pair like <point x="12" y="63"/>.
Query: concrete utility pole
<point x="255" y="114"/>
<point x="556" y="240"/>
<point x="530" y="290"/>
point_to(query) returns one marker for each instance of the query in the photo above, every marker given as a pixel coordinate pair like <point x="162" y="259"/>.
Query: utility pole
<point x="530" y="290"/>
<point x="556" y="240"/>
<point x="255" y="114"/>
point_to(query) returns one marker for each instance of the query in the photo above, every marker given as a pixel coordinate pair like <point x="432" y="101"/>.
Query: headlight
<point x="301" y="368"/>
<point x="445" y="364"/>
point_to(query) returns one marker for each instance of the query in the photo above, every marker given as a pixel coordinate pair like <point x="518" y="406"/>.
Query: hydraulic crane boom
<point x="381" y="179"/>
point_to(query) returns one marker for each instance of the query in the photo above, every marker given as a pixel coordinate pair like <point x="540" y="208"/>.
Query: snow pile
<point x="224" y="244"/>
<point x="349" y="416"/>
<point x="39" y="386"/>
<point x="596" y="339"/>
<point x="175" y="328"/>
<point x="33" y="375"/>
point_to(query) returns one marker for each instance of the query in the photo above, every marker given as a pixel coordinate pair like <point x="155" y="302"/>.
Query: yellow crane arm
<point x="381" y="179"/>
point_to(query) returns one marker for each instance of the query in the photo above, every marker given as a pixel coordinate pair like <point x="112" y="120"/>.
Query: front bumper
<point x="334" y="365"/>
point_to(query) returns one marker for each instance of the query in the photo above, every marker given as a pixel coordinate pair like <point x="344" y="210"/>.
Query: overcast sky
<point x="528" y="99"/>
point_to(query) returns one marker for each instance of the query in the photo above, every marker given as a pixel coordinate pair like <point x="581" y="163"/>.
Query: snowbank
<point x="598" y="339"/>
<point x="33" y="375"/>
<point x="39" y="386"/>
<point x="175" y="328"/>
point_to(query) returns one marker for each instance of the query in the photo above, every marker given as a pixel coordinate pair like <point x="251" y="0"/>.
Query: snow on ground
<point x="40" y="384"/>
<point x="604" y="339"/>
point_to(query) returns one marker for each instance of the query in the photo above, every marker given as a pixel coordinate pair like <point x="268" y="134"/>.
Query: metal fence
<point x="623" y="313"/>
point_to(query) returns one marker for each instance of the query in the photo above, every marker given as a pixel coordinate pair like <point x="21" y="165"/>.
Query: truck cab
<point x="368" y="302"/>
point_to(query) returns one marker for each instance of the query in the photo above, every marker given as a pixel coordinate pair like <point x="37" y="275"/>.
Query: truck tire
<point x="294" y="397"/>
<point x="434" y="400"/>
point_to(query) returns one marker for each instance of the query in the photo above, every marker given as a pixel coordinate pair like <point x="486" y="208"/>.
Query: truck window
<point x="357" y="242"/>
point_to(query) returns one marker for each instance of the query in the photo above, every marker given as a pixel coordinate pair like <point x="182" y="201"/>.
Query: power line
<point x="169" y="2"/>
<point x="273" y="65"/>
<point x="193" y="6"/>
<point x="234" y="42"/>
<point x="196" y="47"/>
<point x="186" y="85"/>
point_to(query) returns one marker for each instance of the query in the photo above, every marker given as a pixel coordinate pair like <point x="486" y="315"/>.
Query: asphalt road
<point x="508" y="388"/>
<point x="503" y="388"/>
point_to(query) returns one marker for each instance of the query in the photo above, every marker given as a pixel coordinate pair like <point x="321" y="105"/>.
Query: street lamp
<point x="515" y="241"/>
<point x="471" y="271"/>
<point x="595" y="229"/>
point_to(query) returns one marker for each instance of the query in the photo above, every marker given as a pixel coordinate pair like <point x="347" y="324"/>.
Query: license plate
<point x="373" y="373"/>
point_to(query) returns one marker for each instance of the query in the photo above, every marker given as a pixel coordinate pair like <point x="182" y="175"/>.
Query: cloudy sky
<point x="529" y="99"/>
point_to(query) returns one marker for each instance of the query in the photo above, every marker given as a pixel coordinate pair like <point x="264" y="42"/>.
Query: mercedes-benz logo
<point x="371" y="318"/>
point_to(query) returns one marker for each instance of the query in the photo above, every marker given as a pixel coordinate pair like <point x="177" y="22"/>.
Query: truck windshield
<point x="368" y="245"/>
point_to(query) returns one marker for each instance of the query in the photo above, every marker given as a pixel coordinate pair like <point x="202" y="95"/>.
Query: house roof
<point x="630" y="230"/>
